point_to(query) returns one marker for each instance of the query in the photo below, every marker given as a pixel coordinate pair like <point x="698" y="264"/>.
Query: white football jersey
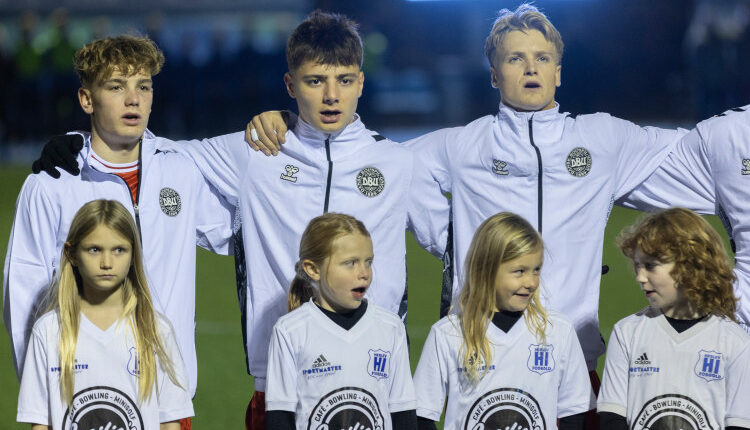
<point x="661" y="379"/>
<point x="105" y="382"/>
<point x="333" y="378"/>
<point x="528" y="385"/>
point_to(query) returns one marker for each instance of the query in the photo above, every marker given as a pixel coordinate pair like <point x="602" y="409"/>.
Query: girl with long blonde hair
<point x="685" y="349"/>
<point x="501" y="358"/>
<point x="100" y="357"/>
<point x="333" y="345"/>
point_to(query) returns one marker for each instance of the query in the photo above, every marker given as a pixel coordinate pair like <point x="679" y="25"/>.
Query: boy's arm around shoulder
<point x="683" y="179"/>
<point x="30" y="261"/>
<point x="222" y="160"/>
<point x="638" y="150"/>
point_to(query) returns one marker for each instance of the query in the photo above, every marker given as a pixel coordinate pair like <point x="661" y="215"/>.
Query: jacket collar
<point x="342" y="143"/>
<point x="547" y="124"/>
<point x="148" y="147"/>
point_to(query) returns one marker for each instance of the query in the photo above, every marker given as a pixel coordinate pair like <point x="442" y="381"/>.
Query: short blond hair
<point x="526" y="17"/>
<point x="97" y="60"/>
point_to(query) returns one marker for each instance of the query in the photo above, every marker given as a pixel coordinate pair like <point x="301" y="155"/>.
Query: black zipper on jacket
<point x="539" y="175"/>
<point x="330" y="172"/>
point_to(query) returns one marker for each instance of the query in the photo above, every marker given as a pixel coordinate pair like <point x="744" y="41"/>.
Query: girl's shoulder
<point x="731" y="329"/>
<point x="385" y="316"/>
<point x="47" y="322"/>
<point x="449" y="325"/>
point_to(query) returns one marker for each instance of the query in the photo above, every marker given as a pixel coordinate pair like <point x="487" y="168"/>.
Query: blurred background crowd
<point x="653" y="62"/>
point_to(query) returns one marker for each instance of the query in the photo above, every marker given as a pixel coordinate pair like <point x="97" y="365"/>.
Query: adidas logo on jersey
<point x="642" y="366"/>
<point x="320" y="362"/>
<point x="320" y="367"/>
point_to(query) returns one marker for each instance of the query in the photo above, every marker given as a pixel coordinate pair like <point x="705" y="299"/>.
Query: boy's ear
<point x="289" y="82"/>
<point x="84" y="98"/>
<point x="493" y="77"/>
<point x="312" y="270"/>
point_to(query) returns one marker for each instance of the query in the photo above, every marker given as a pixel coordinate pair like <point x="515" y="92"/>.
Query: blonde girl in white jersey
<point x="502" y="360"/>
<point x="100" y="337"/>
<point x="333" y="344"/>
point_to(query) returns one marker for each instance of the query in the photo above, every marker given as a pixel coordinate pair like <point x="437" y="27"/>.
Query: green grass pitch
<point x="224" y="387"/>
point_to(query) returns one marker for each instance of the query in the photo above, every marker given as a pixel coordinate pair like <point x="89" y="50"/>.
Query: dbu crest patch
<point x="370" y="181"/>
<point x="379" y="364"/>
<point x="541" y="358"/>
<point x="170" y="201"/>
<point x="578" y="162"/>
<point x="709" y="366"/>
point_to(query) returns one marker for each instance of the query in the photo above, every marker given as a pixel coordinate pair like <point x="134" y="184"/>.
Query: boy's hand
<point x="266" y="132"/>
<point x="60" y="151"/>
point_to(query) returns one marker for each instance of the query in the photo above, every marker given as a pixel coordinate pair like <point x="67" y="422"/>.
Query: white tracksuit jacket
<point x="354" y="171"/>
<point x="562" y="174"/>
<point x="709" y="172"/>
<point x="177" y="209"/>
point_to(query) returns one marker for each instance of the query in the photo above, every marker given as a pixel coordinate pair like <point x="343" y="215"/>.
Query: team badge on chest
<point x="379" y="364"/>
<point x="709" y="366"/>
<point x="370" y="181"/>
<point x="578" y="162"/>
<point x="170" y="201"/>
<point x="541" y="358"/>
<point x="746" y="166"/>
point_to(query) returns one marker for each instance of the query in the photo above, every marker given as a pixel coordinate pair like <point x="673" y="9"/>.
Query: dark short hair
<point x="326" y="38"/>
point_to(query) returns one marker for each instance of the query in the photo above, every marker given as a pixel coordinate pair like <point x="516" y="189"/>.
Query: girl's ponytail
<point x="301" y="290"/>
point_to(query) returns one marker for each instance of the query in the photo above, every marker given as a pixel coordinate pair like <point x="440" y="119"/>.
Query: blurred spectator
<point x="716" y="43"/>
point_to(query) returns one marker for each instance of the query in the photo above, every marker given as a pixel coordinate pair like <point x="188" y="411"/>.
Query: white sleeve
<point x="214" y="219"/>
<point x="574" y="394"/>
<point x="402" y="396"/>
<point x="33" y="398"/>
<point x="431" y="379"/>
<point x="428" y="209"/>
<point x="431" y="150"/>
<point x="30" y="263"/>
<point x="738" y="390"/>
<point x="684" y="179"/>
<point x="640" y="151"/>
<point x="174" y="400"/>
<point x="281" y="379"/>
<point x="221" y="160"/>
<point x="613" y="395"/>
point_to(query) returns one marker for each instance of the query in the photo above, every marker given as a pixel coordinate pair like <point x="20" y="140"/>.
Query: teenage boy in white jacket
<point x="173" y="206"/>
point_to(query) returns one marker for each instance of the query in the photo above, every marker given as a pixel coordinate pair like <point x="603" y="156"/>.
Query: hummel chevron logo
<point x="290" y="171"/>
